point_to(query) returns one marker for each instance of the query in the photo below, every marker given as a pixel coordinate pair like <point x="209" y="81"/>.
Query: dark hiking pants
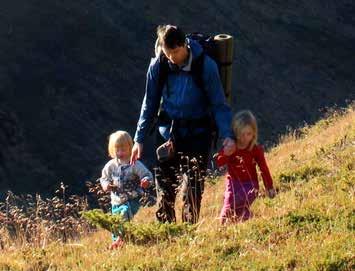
<point x="190" y="163"/>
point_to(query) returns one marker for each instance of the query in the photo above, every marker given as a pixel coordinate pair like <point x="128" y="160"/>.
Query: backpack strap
<point x="163" y="73"/>
<point x="197" y="72"/>
<point x="197" y="69"/>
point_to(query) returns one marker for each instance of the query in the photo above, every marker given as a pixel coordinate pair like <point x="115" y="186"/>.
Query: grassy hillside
<point x="308" y="226"/>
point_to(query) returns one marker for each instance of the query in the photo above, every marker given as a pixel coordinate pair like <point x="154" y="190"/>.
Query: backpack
<point x="219" y="48"/>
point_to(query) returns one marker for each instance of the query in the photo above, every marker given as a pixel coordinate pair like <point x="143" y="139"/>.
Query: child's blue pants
<point x="126" y="210"/>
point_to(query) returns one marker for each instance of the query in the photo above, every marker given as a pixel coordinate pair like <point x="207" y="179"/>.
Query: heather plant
<point x="31" y="219"/>
<point x="99" y="197"/>
<point x="138" y="233"/>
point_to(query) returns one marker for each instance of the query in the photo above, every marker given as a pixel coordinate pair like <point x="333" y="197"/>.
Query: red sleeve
<point x="265" y="172"/>
<point x="221" y="159"/>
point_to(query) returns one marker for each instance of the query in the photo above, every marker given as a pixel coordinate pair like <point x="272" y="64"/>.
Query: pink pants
<point x="238" y="197"/>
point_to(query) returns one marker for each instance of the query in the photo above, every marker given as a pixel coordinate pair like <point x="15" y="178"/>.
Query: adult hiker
<point x="184" y="107"/>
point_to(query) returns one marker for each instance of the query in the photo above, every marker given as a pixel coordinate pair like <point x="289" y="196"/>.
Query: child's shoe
<point x="117" y="244"/>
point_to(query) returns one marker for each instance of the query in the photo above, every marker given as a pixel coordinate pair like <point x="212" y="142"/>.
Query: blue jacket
<point x="185" y="99"/>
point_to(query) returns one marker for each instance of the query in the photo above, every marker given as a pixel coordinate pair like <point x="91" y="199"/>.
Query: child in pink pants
<point x="242" y="184"/>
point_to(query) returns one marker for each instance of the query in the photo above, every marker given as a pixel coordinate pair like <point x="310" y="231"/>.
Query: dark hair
<point x="170" y="36"/>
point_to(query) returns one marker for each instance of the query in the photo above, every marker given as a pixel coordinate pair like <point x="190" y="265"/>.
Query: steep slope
<point x="308" y="226"/>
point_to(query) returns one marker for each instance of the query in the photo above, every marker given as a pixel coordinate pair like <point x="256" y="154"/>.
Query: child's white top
<point x="127" y="179"/>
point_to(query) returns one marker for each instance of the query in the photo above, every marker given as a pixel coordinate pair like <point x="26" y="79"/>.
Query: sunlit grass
<point x="308" y="226"/>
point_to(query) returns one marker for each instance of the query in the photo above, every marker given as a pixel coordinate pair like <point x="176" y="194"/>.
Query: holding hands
<point x="229" y="146"/>
<point x="145" y="183"/>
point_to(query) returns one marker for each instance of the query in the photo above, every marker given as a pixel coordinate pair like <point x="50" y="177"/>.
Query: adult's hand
<point x="229" y="146"/>
<point x="145" y="183"/>
<point x="137" y="152"/>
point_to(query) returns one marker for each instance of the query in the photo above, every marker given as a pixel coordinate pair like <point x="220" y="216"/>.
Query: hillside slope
<point x="308" y="226"/>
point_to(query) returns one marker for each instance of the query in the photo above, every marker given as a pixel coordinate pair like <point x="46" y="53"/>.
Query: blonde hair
<point x="243" y="119"/>
<point x="119" y="139"/>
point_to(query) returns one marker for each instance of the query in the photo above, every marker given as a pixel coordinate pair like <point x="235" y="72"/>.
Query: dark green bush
<point x="139" y="233"/>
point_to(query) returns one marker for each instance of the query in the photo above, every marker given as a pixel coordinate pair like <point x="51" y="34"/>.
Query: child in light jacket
<point x="125" y="181"/>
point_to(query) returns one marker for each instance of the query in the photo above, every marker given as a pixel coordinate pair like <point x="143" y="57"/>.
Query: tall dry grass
<point x="308" y="226"/>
